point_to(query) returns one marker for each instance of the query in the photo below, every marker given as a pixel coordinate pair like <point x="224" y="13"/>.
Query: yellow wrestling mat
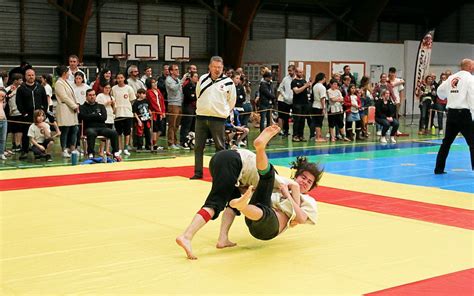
<point x="117" y="237"/>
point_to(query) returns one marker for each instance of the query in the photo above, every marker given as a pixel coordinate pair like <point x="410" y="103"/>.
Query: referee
<point x="216" y="96"/>
<point x="459" y="90"/>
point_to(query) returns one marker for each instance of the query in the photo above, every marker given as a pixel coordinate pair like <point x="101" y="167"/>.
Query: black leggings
<point x="225" y="168"/>
<point x="268" y="226"/>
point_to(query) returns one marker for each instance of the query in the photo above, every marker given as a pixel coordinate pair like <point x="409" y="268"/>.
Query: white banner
<point x="422" y="62"/>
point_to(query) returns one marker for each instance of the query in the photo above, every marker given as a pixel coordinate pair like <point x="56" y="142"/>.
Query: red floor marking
<point x="444" y="215"/>
<point x="459" y="283"/>
<point x="439" y="214"/>
<point x="88" y="178"/>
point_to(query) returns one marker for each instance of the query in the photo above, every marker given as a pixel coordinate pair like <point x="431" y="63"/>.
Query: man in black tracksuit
<point x="30" y="96"/>
<point x="93" y="116"/>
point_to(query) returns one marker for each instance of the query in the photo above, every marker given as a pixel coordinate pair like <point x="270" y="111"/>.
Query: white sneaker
<point x="66" y="154"/>
<point x="3" y="157"/>
<point x="379" y="133"/>
<point x="383" y="140"/>
<point x="91" y="155"/>
<point x="119" y="152"/>
<point x="392" y="139"/>
<point x="125" y="152"/>
<point x="440" y="132"/>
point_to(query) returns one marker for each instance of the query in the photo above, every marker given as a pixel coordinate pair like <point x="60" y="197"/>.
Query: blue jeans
<point x="68" y="136"/>
<point x="3" y="135"/>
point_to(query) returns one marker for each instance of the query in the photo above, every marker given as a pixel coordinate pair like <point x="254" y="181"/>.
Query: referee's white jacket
<point x="459" y="90"/>
<point x="215" y="98"/>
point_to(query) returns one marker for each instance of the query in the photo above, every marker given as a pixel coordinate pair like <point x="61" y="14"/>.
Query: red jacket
<point x="157" y="105"/>
<point x="348" y="103"/>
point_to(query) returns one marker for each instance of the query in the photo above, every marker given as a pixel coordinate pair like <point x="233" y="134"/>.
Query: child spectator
<point x="352" y="104"/>
<point x="123" y="95"/>
<point x="46" y="82"/>
<point x="234" y="128"/>
<point x="80" y="88"/>
<point x="40" y="136"/>
<point x="108" y="101"/>
<point x="157" y="110"/>
<point x="141" y="111"/>
<point x="365" y="94"/>
<point x="335" y="113"/>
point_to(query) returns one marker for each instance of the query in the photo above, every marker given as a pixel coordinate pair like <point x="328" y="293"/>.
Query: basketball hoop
<point x="122" y="58"/>
<point x="144" y="59"/>
<point x="182" y="60"/>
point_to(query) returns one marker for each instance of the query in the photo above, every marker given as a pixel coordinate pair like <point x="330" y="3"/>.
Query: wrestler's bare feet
<point x="241" y="202"/>
<point x="186" y="245"/>
<point x="225" y="244"/>
<point x="265" y="136"/>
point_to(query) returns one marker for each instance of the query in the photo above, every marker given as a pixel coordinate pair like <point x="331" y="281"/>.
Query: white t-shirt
<point x="35" y="132"/>
<point x="354" y="102"/>
<point x="397" y="89"/>
<point x="123" y="97"/>
<point x="286" y="93"/>
<point x="319" y="92"/>
<point x="80" y="92"/>
<point x="49" y="90"/>
<point x="334" y="107"/>
<point x="70" y="75"/>
<point x="105" y="100"/>
<point x="136" y="84"/>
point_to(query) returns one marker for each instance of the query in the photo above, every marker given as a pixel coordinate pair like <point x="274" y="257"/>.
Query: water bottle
<point x="74" y="157"/>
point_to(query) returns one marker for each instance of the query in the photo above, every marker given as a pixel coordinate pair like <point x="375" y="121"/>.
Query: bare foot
<point x="241" y="202"/>
<point x="186" y="245"/>
<point x="265" y="136"/>
<point x="225" y="244"/>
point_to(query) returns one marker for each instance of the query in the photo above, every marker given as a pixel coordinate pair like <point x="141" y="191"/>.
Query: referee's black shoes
<point x="195" y="177"/>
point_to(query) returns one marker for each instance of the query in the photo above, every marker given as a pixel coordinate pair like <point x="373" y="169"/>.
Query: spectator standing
<point x="319" y="106"/>
<point x="133" y="79"/>
<point x="124" y="95"/>
<point x="14" y="127"/>
<point x="66" y="112"/>
<point x="104" y="77"/>
<point x="162" y="87"/>
<point x="74" y="68"/>
<point x="352" y="105"/>
<point x="147" y="74"/>
<point x="335" y="112"/>
<point x="285" y="101"/>
<point x="347" y="72"/>
<point x="157" y="109"/>
<point x="440" y="106"/>
<point x="46" y="82"/>
<point x="300" y="104"/>
<point x="216" y="97"/>
<point x="141" y="111"/>
<point x="188" y="121"/>
<point x="265" y="101"/>
<point x="174" y="88"/>
<point x="29" y="97"/>
<point x="20" y="70"/>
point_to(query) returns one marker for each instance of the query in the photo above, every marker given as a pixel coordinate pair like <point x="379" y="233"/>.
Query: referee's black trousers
<point x="458" y="120"/>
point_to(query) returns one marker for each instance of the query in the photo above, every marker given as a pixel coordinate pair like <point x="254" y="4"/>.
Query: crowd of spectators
<point x="140" y="107"/>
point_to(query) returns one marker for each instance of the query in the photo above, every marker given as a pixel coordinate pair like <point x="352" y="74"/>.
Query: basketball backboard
<point x="176" y="47"/>
<point x="142" y="46"/>
<point x="112" y="44"/>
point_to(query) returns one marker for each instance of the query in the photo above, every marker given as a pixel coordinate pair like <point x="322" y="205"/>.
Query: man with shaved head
<point x="459" y="91"/>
